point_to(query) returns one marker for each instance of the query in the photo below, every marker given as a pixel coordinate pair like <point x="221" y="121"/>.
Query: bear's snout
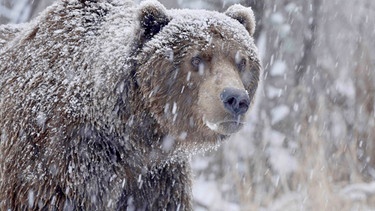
<point x="236" y="101"/>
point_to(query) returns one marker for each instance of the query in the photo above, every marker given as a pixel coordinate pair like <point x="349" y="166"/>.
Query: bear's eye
<point x="196" y="61"/>
<point x="242" y="65"/>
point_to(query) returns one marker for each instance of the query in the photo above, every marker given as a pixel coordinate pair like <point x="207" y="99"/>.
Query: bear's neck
<point x="166" y="187"/>
<point x="151" y="145"/>
<point x="160" y="180"/>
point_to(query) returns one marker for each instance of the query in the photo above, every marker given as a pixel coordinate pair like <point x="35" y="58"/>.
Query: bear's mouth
<point x="225" y="127"/>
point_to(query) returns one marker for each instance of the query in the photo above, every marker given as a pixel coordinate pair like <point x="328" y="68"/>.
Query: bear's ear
<point x="244" y="15"/>
<point x="153" y="17"/>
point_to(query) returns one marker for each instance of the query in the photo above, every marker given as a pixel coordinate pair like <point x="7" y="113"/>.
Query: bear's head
<point x="197" y="70"/>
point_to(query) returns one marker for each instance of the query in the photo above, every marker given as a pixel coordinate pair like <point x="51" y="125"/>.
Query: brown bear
<point x="102" y="103"/>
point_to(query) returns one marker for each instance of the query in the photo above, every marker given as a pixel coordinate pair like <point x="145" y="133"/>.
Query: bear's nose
<point x="236" y="101"/>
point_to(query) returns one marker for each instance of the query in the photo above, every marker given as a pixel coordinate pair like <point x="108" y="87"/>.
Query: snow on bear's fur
<point x="103" y="102"/>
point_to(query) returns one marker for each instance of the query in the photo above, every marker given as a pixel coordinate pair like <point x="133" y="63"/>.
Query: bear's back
<point x="60" y="78"/>
<point x="71" y="57"/>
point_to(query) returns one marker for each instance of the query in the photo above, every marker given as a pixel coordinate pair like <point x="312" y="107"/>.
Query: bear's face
<point x="198" y="70"/>
<point x="227" y="85"/>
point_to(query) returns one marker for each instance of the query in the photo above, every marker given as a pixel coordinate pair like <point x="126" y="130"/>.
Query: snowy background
<point x="310" y="139"/>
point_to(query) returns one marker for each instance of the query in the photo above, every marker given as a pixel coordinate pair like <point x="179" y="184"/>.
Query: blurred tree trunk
<point x="308" y="59"/>
<point x="19" y="11"/>
<point x="258" y="7"/>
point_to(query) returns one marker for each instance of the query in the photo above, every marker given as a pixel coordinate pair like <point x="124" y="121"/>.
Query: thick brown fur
<point x="102" y="103"/>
